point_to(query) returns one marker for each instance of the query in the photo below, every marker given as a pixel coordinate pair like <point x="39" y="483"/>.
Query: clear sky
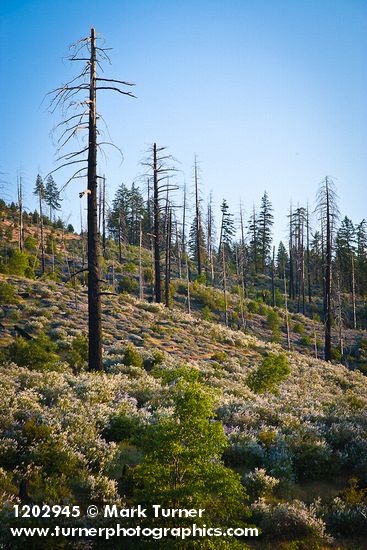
<point x="269" y="94"/>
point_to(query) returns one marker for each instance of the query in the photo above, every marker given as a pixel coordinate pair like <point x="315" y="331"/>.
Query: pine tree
<point x="52" y="196"/>
<point x="345" y="246"/>
<point x="265" y="223"/>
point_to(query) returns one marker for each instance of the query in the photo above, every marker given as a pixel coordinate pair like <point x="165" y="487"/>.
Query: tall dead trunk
<point x="354" y="294"/>
<point x="42" y="241"/>
<point x="141" y="288"/>
<point x="168" y="256"/>
<point x="104" y="215"/>
<point x="157" y="258"/>
<point x="309" y="288"/>
<point x="20" y="207"/>
<point x="273" y="302"/>
<point x="328" y="276"/>
<point x="198" y="221"/>
<point x="224" y="284"/>
<point x="94" y="295"/>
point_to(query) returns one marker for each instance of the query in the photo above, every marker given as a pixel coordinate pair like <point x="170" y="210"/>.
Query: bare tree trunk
<point x="42" y="236"/>
<point x="198" y="224"/>
<point x="328" y="276"/>
<point x="286" y="310"/>
<point x="309" y="288"/>
<point x="273" y="303"/>
<point x="188" y="285"/>
<point x="243" y="255"/>
<point x="157" y="259"/>
<point x="224" y="285"/>
<point x="94" y="295"/>
<point x="20" y="206"/>
<point x="168" y="256"/>
<point x="354" y="294"/>
<point x="141" y="289"/>
<point x="104" y="216"/>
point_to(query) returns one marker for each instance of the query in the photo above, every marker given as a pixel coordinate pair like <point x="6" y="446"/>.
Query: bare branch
<point x="116" y="90"/>
<point x="118" y="81"/>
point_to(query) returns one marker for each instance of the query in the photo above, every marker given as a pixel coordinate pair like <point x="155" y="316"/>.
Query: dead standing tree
<point x="68" y="97"/>
<point x="328" y="214"/>
<point x="157" y="164"/>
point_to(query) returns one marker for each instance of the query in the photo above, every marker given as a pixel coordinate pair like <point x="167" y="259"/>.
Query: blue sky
<point x="269" y="94"/>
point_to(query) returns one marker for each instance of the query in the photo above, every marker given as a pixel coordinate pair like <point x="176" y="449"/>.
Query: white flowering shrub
<point x="259" y="484"/>
<point x="285" y="520"/>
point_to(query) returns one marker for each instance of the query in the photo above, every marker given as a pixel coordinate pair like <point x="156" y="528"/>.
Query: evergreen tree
<point x="227" y="229"/>
<point x="52" y="196"/>
<point x="265" y="223"/>
<point x="345" y="244"/>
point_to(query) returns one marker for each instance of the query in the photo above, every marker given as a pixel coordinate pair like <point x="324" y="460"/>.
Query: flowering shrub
<point x="289" y="520"/>
<point x="259" y="484"/>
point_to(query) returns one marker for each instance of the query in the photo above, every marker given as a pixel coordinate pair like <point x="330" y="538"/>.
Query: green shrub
<point x="336" y="354"/>
<point x="77" y="354"/>
<point x="155" y="360"/>
<point x="38" y="353"/>
<point x="128" y="284"/>
<point x="273" y="322"/>
<point x="30" y="244"/>
<point x="7" y="293"/>
<point x="305" y="340"/>
<point x="298" y="328"/>
<point x="132" y="357"/>
<point x="121" y="427"/>
<point x="253" y="307"/>
<point x="206" y="314"/>
<point x="273" y="370"/>
<point x="219" y="356"/>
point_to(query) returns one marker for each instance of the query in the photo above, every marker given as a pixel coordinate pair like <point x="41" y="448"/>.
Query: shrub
<point x="290" y="520"/>
<point x="336" y="354"/>
<point x="182" y="465"/>
<point x="273" y="370"/>
<point x="132" y="357"/>
<point x="273" y="322"/>
<point x="121" y="427"/>
<point x="77" y="354"/>
<point x="128" y="284"/>
<point x="30" y="244"/>
<point x="298" y="328"/>
<point x="7" y="293"/>
<point x="253" y="307"/>
<point x="305" y="340"/>
<point x="38" y="353"/>
<point x="206" y="314"/>
<point x="259" y="484"/>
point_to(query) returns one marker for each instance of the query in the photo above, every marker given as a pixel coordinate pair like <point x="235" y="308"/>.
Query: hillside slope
<point x="310" y="433"/>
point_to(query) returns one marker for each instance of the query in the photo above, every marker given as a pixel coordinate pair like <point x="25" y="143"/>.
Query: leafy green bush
<point x="132" y="357"/>
<point x="273" y="322"/>
<point x="206" y="314"/>
<point x="182" y="465"/>
<point x="121" y="427"/>
<point x="273" y="370"/>
<point x="253" y="307"/>
<point x="128" y="284"/>
<point x="77" y="354"/>
<point x="305" y="340"/>
<point x="336" y="354"/>
<point x="7" y="293"/>
<point x="30" y="244"/>
<point x="298" y="328"/>
<point x="38" y="353"/>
